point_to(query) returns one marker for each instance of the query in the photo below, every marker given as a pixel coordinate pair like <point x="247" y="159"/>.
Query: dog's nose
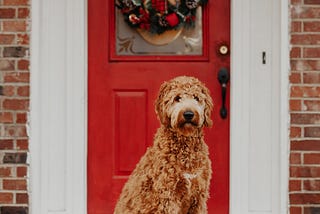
<point x="188" y="115"/>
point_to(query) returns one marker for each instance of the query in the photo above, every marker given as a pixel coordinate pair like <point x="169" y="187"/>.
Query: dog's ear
<point x="208" y="107"/>
<point x="160" y="103"/>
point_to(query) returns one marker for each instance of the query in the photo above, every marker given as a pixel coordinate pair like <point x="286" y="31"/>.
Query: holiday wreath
<point x="158" y="16"/>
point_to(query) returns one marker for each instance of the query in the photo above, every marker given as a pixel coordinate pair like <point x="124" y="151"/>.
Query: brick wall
<point x="304" y="184"/>
<point x="14" y="105"/>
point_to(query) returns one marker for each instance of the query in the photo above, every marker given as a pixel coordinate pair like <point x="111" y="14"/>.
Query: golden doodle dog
<point x="173" y="176"/>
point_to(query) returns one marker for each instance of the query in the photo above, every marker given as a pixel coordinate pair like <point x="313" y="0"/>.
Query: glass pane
<point x="137" y="42"/>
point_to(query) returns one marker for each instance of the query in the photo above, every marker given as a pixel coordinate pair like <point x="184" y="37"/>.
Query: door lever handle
<point x="223" y="77"/>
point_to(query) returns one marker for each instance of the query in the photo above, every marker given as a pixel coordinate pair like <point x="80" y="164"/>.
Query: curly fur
<point x="173" y="176"/>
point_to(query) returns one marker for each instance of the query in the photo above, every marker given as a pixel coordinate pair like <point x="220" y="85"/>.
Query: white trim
<point x="238" y="33"/>
<point x="240" y="65"/>
<point x="284" y="108"/>
<point x="34" y="137"/>
<point x="73" y="103"/>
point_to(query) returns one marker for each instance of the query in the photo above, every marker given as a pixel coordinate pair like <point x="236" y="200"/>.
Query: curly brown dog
<point x="173" y="176"/>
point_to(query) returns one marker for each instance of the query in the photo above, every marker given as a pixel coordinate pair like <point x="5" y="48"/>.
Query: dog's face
<point x="184" y="104"/>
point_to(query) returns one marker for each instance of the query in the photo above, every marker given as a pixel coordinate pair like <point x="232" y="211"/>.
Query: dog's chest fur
<point x="183" y="157"/>
<point x="186" y="152"/>
<point x="185" y="163"/>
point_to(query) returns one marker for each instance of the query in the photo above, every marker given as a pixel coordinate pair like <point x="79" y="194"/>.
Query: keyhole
<point x="264" y="58"/>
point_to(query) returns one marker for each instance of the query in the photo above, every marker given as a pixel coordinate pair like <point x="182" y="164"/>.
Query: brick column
<point x="304" y="185"/>
<point x="14" y="105"/>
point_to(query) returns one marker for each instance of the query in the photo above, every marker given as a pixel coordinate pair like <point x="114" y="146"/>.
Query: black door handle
<point x="223" y="77"/>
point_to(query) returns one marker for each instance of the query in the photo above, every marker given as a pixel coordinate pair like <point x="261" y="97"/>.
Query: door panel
<point x="130" y="139"/>
<point x="122" y="90"/>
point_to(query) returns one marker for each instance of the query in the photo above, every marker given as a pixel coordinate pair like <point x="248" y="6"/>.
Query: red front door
<point x="123" y="83"/>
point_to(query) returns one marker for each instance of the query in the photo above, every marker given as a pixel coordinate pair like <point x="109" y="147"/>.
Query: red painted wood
<point x="122" y="91"/>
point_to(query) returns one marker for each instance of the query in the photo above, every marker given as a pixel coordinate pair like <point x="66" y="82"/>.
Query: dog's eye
<point x="196" y="98"/>
<point x="177" y="98"/>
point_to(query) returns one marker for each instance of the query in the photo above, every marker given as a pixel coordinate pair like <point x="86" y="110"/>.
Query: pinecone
<point x="128" y="3"/>
<point x="162" y="21"/>
<point x="192" y="4"/>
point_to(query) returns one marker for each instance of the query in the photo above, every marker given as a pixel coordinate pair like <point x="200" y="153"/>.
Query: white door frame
<point x="241" y="63"/>
<point x="52" y="69"/>
<point x="58" y="114"/>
